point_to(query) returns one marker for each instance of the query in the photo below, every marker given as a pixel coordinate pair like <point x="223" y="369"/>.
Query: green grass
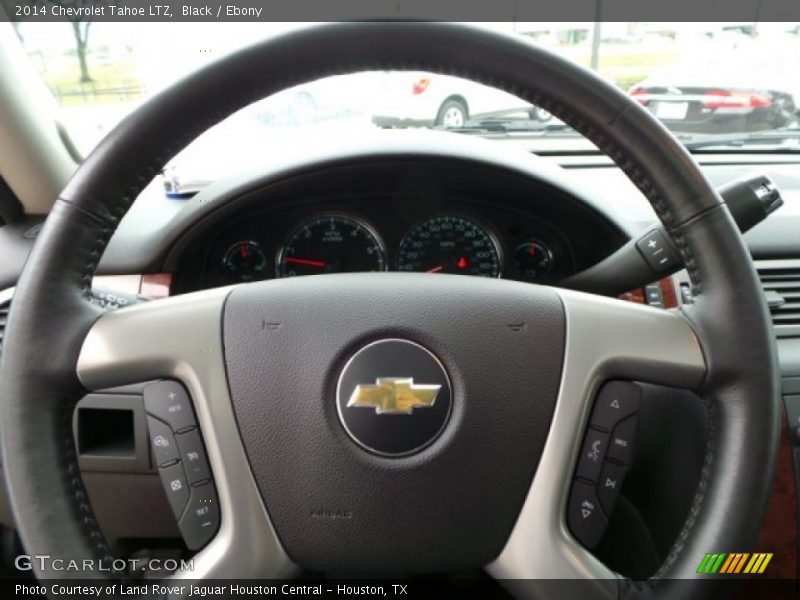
<point x="111" y="82"/>
<point x="625" y="65"/>
<point x="647" y="61"/>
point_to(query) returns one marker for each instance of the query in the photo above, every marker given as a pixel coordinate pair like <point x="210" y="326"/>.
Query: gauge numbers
<point x="331" y="244"/>
<point x="450" y="244"/>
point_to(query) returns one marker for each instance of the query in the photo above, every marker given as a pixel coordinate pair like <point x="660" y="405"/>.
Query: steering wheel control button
<point x="585" y="516"/>
<point x="610" y="483"/>
<point x="653" y="295"/>
<point x="162" y="442"/>
<point x="193" y="456"/>
<point x="657" y="251"/>
<point x="616" y="401"/>
<point x="176" y="487"/>
<point x="623" y="441"/>
<point x="606" y="453"/>
<point x="393" y="397"/>
<point x="200" y="520"/>
<point x="592" y="456"/>
<point x="168" y="401"/>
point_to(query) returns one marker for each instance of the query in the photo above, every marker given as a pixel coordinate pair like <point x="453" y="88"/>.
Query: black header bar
<point x="436" y="10"/>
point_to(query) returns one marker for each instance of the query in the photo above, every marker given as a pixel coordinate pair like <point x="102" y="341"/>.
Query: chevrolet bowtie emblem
<point x="393" y="395"/>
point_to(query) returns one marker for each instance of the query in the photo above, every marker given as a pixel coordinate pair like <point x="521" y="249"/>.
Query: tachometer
<point x="450" y="244"/>
<point x="245" y="261"/>
<point x="331" y="244"/>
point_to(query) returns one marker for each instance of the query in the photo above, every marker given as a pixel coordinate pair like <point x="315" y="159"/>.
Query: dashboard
<point x="396" y="215"/>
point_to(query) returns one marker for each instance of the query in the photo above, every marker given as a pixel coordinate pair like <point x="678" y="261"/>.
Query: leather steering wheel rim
<point x="52" y="314"/>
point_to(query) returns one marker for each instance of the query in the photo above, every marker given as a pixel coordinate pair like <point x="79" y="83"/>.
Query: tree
<point x="80" y="31"/>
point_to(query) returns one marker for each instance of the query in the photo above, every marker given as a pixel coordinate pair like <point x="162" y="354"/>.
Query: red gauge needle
<point x="435" y="269"/>
<point x="243" y="250"/>
<point x="304" y="261"/>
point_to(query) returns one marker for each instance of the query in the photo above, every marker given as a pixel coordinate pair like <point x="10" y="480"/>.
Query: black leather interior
<point x="51" y="314"/>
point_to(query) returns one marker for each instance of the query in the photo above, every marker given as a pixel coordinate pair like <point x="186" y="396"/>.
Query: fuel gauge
<point x="533" y="259"/>
<point x="245" y="261"/>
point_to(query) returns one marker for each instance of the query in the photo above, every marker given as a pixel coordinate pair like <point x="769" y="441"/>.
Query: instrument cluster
<point x="399" y="214"/>
<point x="458" y="242"/>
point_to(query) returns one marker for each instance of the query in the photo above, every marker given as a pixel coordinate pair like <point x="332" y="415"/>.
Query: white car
<point x="413" y="98"/>
<point x="393" y="99"/>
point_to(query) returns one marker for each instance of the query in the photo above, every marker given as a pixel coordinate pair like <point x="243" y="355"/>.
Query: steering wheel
<point x="481" y="477"/>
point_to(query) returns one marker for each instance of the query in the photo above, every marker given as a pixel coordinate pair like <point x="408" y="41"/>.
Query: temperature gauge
<point x="245" y="261"/>
<point x="533" y="259"/>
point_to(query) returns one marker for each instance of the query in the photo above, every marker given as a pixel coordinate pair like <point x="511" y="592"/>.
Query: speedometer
<point x="331" y="244"/>
<point x="450" y="244"/>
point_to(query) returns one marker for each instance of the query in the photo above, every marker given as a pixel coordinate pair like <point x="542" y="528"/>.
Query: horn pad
<point x="394" y="397"/>
<point x="393" y="422"/>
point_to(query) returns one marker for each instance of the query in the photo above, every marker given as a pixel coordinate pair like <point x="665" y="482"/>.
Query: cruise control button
<point x="193" y="456"/>
<point x="168" y="401"/>
<point x="201" y="520"/>
<point x="623" y="441"/>
<point x="592" y="455"/>
<point x="610" y="483"/>
<point x="657" y="251"/>
<point x="616" y="401"/>
<point x="176" y="487"/>
<point x="162" y="442"/>
<point x="584" y="514"/>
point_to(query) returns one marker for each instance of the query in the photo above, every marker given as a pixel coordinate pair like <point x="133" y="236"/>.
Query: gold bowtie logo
<point x="394" y="395"/>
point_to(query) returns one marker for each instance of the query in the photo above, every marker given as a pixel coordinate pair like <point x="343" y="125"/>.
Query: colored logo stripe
<point x="711" y="563"/>
<point x="732" y="558"/>
<point x="758" y="563"/>
<point x="735" y="562"/>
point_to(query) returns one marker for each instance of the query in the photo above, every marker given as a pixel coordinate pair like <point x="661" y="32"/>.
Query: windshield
<point x="717" y="85"/>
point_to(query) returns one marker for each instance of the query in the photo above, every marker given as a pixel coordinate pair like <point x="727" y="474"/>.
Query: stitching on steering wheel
<point x="699" y="497"/>
<point x="85" y="512"/>
<point x="119" y="210"/>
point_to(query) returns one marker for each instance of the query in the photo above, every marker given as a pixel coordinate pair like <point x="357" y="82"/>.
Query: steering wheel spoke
<point x="609" y="338"/>
<point x="606" y="339"/>
<point x="181" y="339"/>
